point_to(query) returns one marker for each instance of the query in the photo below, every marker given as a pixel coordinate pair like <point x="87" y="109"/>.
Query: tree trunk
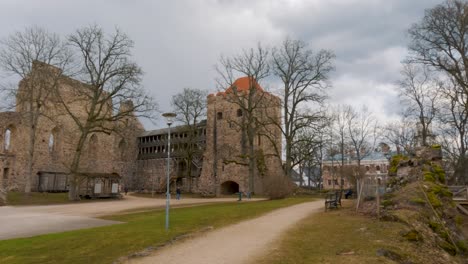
<point x="74" y="179"/>
<point x="30" y="163"/>
<point x="251" y="168"/>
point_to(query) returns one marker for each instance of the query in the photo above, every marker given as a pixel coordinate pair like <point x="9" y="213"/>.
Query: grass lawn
<point x="341" y="236"/>
<point x="36" y="198"/>
<point x="140" y="230"/>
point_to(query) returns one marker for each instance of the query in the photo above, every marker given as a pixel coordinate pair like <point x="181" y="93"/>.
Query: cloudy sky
<point x="178" y="42"/>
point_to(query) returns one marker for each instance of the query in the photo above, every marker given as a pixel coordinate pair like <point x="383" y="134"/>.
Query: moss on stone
<point x="395" y="162"/>
<point x="441" y="190"/>
<point x="439" y="173"/>
<point x="412" y="235"/>
<point x="434" y="200"/>
<point x="428" y="176"/>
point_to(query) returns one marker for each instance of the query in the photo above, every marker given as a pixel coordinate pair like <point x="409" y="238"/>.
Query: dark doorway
<point x="6" y="176"/>
<point x="229" y="187"/>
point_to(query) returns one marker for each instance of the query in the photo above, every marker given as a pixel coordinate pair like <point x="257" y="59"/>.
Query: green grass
<point x="35" y="198"/>
<point x="140" y="230"/>
<point x="342" y="237"/>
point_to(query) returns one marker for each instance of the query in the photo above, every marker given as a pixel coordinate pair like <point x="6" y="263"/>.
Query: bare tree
<point x="109" y="80"/>
<point x="27" y="54"/>
<point x="362" y="129"/>
<point x="305" y="76"/>
<point x="340" y="137"/>
<point x="440" y="40"/>
<point x="454" y="129"/>
<point x="401" y="134"/>
<point x="190" y="106"/>
<point x="420" y="93"/>
<point x="309" y="150"/>
<point x="252" y="102"/>
<point x="304" y="150"/>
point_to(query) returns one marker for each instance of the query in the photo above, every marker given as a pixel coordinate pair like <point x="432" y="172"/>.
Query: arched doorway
<point x="229" y="187"/>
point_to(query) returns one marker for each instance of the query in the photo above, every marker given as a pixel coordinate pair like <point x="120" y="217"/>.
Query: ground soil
<point x="238" y="243"/>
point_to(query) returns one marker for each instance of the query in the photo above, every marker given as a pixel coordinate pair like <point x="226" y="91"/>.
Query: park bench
<point x="333" y="200"/>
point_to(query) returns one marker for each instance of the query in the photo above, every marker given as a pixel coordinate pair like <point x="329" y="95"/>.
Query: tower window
<point x="219" y="115"/>
<point x="239" y="112"/>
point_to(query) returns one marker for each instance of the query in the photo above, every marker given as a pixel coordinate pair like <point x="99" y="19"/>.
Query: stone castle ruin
<point x="104" y="156"/>
<point x="135" y="157"/>
<point x="220" y="164"/>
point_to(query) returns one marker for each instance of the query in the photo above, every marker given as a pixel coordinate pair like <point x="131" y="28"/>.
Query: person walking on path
<point x="178" y="193"/>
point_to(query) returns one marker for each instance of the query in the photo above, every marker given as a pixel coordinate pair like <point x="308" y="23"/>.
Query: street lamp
<point x="169" y="119"/>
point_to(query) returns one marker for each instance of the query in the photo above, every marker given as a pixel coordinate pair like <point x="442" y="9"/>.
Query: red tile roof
<point x="243" y="84"/>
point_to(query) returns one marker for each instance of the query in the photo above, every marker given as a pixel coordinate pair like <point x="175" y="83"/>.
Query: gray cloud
<point x="178" y="42"/>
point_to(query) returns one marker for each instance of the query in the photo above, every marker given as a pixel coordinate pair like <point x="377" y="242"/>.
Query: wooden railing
<point x="460" y="197"/>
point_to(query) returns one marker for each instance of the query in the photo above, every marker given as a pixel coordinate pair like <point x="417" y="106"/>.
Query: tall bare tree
<point x="110" y="79"/>
<point x="190" y="106"/>
<point x="454" y="129"/>
<point x="340" y="116"/>
<point x="252" y="63"/>
<point x="304" y="75"/>
<point x="362" y="129"/>
<point x="440" y="40"/>
<point x="421" y="94"/>
<point x="26" y="54"/>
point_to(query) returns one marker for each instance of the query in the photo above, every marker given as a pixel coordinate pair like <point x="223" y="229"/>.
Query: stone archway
<point x="229" y="187"/>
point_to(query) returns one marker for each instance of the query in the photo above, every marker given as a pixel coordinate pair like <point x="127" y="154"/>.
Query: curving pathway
<point x="237" y="243"/>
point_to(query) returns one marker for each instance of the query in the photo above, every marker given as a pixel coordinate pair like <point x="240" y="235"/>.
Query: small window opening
<point x="7" y="139"/>
<point x="219" y="115"/>
<point x="239" y="112"/>
<point x="51" y="143"/>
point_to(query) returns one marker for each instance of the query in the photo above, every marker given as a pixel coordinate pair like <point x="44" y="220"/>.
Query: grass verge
<point x="36" y="198"/>
<point x="141" y="230"/>
<point x="344" y="237"/>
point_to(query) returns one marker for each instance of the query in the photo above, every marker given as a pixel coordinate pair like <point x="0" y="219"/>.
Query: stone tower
<point x="226" y="161"/>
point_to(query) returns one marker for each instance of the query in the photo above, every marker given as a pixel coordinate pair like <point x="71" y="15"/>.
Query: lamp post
<point x="169" y="119"/>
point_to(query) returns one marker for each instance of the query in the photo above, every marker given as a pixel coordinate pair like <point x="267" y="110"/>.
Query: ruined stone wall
<point x="11" y="177"/>
<point x="57" y="136"/>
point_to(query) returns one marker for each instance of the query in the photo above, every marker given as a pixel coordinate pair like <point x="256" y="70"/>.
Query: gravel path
<point x="237" y="243"/>
<point x="26" y="221"/>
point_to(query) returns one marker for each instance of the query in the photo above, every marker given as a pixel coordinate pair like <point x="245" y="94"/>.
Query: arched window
<point x="219" y="115"/>
<point x="377" y="168"/>
<point x="53" y="140"/>
<point x="7" y="139"/>
<point x="122" y="147"/>
<point x="93" y="147"/>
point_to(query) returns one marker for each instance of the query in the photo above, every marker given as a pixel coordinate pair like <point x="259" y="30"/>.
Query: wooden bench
<point x="333" y="200"/>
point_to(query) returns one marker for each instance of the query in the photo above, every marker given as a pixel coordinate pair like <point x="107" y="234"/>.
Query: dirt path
<point x="26" y="221"/>
<point x="237" y="243"/>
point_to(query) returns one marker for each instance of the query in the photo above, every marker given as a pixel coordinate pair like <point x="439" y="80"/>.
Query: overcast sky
<point x="178" y="42"/>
